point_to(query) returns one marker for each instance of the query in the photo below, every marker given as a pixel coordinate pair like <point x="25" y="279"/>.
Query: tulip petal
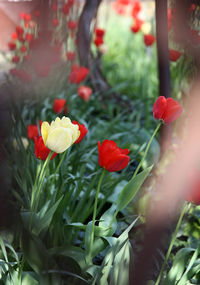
<point x="159" y="107"/>
<point x="172" y="112"/>
<point x="45" y="130"/>
<point x="117" y="163"/>
<point x="59" y="139"/>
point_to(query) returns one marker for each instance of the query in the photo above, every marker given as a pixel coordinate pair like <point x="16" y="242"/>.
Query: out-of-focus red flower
<point x="54" y="7"/>
<point x="19" y="31"/>
<point x="55" y="22"/>
<point x="84" y="92"/>
<point x="23" y="49"/>
<point x="98" y="41"/>
<point x="169" y="16"/>
<point x="137" y="25"/>
<point x="119" y="8"/>
<point x="12" y="46"/>
<point x="21" y="74"/>
<point x="32" y="131"/>
<point x="111" y="157"/>
<point x="21" y="15"/>
<point x="71" y="55"/>
<point x="136" y="9"/>
<point x="41" y="151"/>
<point x="29" y="37"/>
<point x="70" y="2"/>
<point x="192" y="7"/>
<point x="99" y="32"/>
<point x="15" y="59"/>
<point x="14" y="36"/>
<point x="65" y="9"/>
<point x="32" y="24"/>
<point x="78" y="74"/>
<point x="27" y="17"/>
<point x="166" y="109"/>
<point x="149" y="40"/>
<point x="59" y="106"/>
<point x="72" y="25"/>
<point x="174" y="55"/>
<point x="124" y="2"/>
<point x="83" y="131"/>
<point x="37" y="13"/>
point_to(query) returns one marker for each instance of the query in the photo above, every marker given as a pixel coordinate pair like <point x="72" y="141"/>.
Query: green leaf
<point x="178" y="266"/>
<point x="131" y="189"/>
<point x="28" y="279"/>
<point x="45" y="220"/>
<point x="35" y="252"/>
<point x="119" y="274"/>
<point x="76" y="253"/>
<point x="3" y="249"/>
<point x="184" y="278"/>
<point x="106" y="219"/>
<point x="87" y="240"/>
<point x="98" y="231"/>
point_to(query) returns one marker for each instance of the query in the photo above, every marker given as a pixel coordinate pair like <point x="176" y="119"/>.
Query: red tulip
<point x="192" y="7"/>
<point x="65" y="9"/>
<point x="27" y="17"/>
<point x="54" y="7"/>
<point x="72" y="25"/>
<point x="70" y="2"/>
<point x="37" y="13"/>
<point x="14" y="36"/>
<point x="15" y="59"/>
<point x="12" y="46"/>
<point x="98" y="41"/>
<point x="29" y="37"/>
<point x="71" y="55"/>
<point x="99" y="32"/>
<point x="149" y="40"/>
<point x="23" y="49"/>
<point x="136" y="9"/>
<point x="78" y="74"/>
<point x="83" y="131"/>
<point x="84" y="92"/>
<point x="167" y="110"/>
<point x="32" y="131"/>
<point x="137" y="25"/>
<point x="174" y="55"/>
<point x="21" y="15"/>
<point x="41" y="151"/>
<point x="55" y="22"/>
<point x="111" y="157"/>
<point x="59" y="106"/>
<point x="19" y="31"/>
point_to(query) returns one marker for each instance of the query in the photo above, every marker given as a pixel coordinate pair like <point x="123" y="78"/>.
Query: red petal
<point x="159" y="107"/>
<point x="117" y="163"/>
<point x="172" y="112"/>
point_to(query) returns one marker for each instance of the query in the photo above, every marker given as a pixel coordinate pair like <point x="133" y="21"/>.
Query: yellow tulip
<point x="60" y="134"/>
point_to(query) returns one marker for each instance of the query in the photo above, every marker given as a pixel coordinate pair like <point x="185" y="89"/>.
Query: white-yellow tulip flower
<point x="60" y="134"/>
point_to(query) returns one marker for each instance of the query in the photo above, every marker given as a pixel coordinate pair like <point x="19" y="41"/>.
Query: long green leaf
<point x="131" y="189"/>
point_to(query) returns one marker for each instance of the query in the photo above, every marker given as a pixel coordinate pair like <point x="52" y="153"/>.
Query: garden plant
<point x="100" y="186"/>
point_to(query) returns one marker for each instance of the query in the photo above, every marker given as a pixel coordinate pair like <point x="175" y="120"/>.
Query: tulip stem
<point x="95" y="211"/>
<point x="184" y="208"/>
<point x="147" y="148"/>
<point x="38" y="184"/>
